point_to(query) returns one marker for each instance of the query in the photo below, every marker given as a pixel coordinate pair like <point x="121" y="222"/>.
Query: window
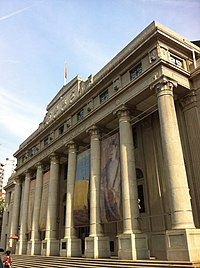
<point x="61" y="129"/>
<point x="46" y="141"/>
<point x="8" y="217"/>
<point x="80" y="115"/>
<point x="141" y="198"/>
<point x="176" y="61"/>
<point x="103" y="96"/>
<point x="140" y="181"/>
<point x="34" y="150"/>
<point x="112" y="246"/>
<point x="135" y="72"/>
<point x="64" y="245"/>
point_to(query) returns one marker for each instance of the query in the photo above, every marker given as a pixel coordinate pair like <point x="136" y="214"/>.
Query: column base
<point x="70" y="247"/>
<point x="97" y="247"/>
<point x="183" y="244"/>
<point x="12" y="246"/>
<point x="158" y="242"/>
<point x="28" y="251"/>
<point x="133" y="247"/>
<point x="34" y="247"/>
<point x="50" y="247"/>
<point x="21" y="247"/>
<point x="16" y="251"/>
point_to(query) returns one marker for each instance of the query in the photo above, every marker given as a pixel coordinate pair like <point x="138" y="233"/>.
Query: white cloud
<point x="12" y="14"/>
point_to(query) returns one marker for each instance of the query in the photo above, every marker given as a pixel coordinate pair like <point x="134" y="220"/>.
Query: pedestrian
<point x="7" y="261"/>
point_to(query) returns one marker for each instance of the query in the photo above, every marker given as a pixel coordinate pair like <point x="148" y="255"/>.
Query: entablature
<point x="130" y="72"/>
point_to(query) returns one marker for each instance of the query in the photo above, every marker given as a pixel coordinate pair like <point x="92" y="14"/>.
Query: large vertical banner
<point x="31" y="204"/>
<point x="81" y="191"/>
<point x="110" y="180"/>
<point x="44" y="202"/>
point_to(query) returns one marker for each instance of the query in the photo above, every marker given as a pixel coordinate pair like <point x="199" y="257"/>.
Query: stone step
<point x="25" y="261"/>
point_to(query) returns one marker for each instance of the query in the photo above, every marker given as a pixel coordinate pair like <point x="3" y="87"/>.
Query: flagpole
<point x="65" y="73"/>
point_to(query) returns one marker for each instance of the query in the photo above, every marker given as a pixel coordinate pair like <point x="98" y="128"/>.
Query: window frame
<point x="104" y="96"/>
<point x="136" y="71"/>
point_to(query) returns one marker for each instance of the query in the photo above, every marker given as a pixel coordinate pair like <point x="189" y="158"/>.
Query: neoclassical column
<point x="35" y="243"/>
<point x="73" y="244"/>
<point x="178" y="190"/>
<point x="189" y="104"/>
<point x="95" y="222"/>
<point x="71" y="175"/>
<point x="129" y="247"/>
<point x="96" y="245"/>
<point x="180" y="241"/>
<point x="15" y="212"/>
<point x="22" y="243"/>
<point x="50" y="246"/>
<point x="128" y="174"/>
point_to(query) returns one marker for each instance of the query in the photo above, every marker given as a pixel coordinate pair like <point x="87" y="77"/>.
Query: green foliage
<point x="2" y="205"/>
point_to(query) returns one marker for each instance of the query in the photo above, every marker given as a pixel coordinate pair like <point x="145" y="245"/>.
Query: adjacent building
<point x="113" y="169"/>
<point x="1" y="176"/>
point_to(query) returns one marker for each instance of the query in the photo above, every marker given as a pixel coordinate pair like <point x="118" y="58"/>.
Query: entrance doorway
<point x="83" y="232"/>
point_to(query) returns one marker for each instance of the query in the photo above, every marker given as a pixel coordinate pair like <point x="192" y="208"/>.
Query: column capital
<point x="94" y="130"/>
<point x="71" y="145"/>
<point x="28" y="173"/>
<point x="54" y="158"/>
<point x="164" y="87"/>
<point x="39" y="165"/>
<point x="123" y="112"/>
<point x="17" y="180"/>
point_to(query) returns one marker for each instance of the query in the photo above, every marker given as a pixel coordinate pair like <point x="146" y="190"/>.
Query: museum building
<point x="114" y="167"/>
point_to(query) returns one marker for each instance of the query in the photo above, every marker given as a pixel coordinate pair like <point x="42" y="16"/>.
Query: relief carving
<point x="153" y="56"/>
<point x="117" y="84"/>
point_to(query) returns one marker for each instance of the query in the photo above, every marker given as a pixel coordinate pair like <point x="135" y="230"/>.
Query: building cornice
<point x="149" y="33"/>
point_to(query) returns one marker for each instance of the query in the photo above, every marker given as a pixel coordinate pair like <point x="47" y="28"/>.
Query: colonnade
<point x="133" y="244"/>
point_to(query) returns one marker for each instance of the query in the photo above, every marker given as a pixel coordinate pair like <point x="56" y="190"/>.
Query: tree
<point x="2" y="205"/>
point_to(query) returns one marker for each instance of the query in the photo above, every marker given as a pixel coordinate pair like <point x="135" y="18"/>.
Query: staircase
<point x="25" y="261"/>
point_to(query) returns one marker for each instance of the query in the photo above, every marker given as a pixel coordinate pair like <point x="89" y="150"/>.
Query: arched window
<point x="139" y="173"/>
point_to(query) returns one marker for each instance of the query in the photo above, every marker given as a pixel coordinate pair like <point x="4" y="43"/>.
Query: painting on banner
<point x="44" y="202"/>
<point x="110" y="180"/>
<point x="81" y="192"/>
<point x="31" y="204"/>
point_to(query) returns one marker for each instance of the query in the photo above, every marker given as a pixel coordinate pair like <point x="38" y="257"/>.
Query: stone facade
<point x="146" y="103"/>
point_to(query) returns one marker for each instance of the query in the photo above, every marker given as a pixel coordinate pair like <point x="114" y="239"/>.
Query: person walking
<point x="7" y="261"/>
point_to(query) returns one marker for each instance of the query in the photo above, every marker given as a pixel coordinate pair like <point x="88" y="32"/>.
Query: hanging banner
<point x="110" y="197"/>
<point x="81" y="191"/>
<point x="44" y="202"/>
<point x="31" y="205"/>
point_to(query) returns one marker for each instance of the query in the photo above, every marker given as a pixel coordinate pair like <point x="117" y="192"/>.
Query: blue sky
<point x="37" y="36"/>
